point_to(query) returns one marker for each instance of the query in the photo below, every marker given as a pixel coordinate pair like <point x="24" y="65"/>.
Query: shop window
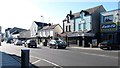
<point x="108" y="18"/>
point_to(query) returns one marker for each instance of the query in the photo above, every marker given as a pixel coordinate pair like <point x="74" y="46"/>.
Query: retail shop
<point x="110" y="26"/>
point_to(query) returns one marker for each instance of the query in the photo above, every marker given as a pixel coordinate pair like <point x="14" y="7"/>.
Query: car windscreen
<point x="60" y="42"/>
<point x="106" y="42"/>
<point x="53" y="42"/>
<point x="32" y="41"/>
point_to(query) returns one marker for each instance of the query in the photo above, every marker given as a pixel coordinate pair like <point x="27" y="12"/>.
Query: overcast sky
<point x="21" y="13"/>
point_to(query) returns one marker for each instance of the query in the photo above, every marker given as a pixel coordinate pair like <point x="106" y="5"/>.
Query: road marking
<point x="36" y="61"/>
<point x="99" y="55"/>
<point x="47" y="61"/>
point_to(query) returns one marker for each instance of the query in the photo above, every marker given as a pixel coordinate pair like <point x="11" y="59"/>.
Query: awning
<point x="76" y="34"/>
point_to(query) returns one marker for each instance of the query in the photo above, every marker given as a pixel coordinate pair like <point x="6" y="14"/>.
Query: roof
<point x="25" y="34"/>
<point x="92" y="10"/>
<point x="110" y="11"/>
<point x="41" y="23"/>
<point x="89" y="11"/>
<point x="16" y="30"/>
<point x="49" y="27"/>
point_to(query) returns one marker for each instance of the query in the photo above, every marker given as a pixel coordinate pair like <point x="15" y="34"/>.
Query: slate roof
<point x="16" y="30"/>
<point x="41" y="23"/>
<point x="25" y="34"/>
<point x="88" y="11"/>
<point x="49" y="27"/>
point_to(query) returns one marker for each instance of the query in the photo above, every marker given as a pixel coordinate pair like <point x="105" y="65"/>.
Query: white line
<point x="99" y="55"/>
<point x="36" y="61"/>
<point x="47" y="61"/>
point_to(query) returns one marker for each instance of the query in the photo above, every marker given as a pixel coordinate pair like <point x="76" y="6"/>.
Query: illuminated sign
<point x="109" y="27"/>
<point x="106" y="26"/>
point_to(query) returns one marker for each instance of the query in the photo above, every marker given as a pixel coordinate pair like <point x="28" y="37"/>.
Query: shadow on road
<point x="18" y="58"/>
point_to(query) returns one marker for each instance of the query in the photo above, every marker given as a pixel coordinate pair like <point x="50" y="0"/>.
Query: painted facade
<point x="84" y="25"/>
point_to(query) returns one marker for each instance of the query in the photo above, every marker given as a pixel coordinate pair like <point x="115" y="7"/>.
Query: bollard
<point x="24" y="58"/>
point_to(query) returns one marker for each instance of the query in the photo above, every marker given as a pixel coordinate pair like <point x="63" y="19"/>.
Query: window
<point x="82" y="15"/>
<point x="84" y="26"/>
<point x="108" y="18"/>
<point x="69" y="28"/>
<point x="66" y="28"/>
<point x="79" y="27"/>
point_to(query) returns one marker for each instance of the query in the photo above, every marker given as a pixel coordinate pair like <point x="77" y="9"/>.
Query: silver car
<point x="18" y="42"/>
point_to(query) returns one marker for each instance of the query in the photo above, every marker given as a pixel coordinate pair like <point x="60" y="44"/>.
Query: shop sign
<point x="106" y="26"/>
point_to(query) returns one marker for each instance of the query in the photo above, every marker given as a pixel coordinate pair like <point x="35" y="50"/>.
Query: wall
<point x="88" y="25"/>
<point x="58" y="29"/>
<point x="96" y="20"/>
<point x="33" y="29"/>
<point x="67" y="24"/>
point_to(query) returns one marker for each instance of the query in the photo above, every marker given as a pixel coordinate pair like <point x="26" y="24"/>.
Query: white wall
<point x="67" y="24"/>
<point x="58" y="29"/>
<point x="51" y="32"/>
<point x="33" y="29"/>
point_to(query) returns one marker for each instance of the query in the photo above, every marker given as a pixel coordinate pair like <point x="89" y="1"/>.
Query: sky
<point x="21" y="13"/>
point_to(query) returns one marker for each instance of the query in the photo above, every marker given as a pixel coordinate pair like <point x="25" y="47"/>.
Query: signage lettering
<point x="108" y="26"/>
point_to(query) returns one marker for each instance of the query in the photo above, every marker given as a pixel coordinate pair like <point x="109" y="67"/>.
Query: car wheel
<point x="109" y="48"/>
<point x="64" y="47"/>
<point x="50" y="47"/>
<point x="101" y="48"/>
<point x="35" y="46"/>
<point x="54" y="47"/>
<point x="57" y="47"/>
<point x="28" y="46"/>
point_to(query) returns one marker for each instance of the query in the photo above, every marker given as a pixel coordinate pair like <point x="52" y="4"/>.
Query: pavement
<point x="7" y="61"/>
<point x="10" y="60"/>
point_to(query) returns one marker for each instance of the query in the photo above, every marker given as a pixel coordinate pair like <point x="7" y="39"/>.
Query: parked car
<point x="23" y="42"/>
<point x="9" y="40"/>
<point x="106" y="44"/>
<point x="31" y="43"/>
<point x="18" y="42"/>
<point x="57" y="44"/>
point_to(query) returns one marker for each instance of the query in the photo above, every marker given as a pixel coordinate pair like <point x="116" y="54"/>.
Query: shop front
<point x="110" y="27"/>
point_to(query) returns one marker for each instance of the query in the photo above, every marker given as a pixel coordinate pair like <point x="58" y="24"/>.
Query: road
<point x="44" y="56"/>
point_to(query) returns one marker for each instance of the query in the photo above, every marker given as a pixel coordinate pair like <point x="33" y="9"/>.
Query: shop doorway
<point x="110" y="37"/>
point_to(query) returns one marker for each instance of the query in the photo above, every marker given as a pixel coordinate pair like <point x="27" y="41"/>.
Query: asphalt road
<point x="44" y="56"/>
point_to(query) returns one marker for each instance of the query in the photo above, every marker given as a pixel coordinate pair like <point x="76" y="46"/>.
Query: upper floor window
<point x="66" y="28"/>
<point x="108" y="18"/>
<point x="84" y="26"/>
<point x="69" y="28"/>
<point x="82" y="15"/>
<point x="79" y="26"/>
